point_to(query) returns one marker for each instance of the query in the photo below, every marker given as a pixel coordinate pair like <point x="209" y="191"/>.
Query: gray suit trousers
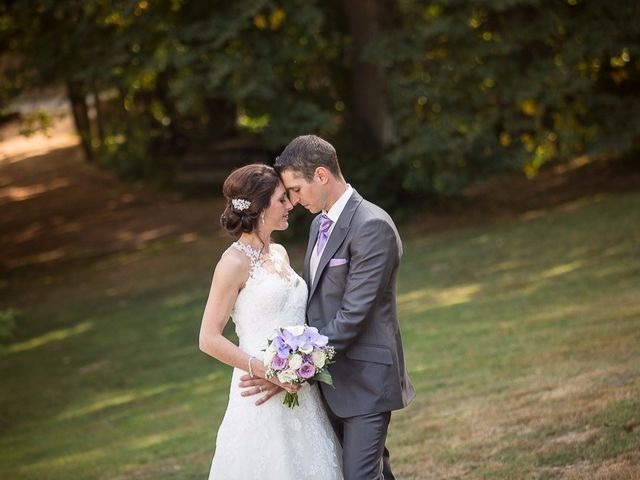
<point x="362" y="438"/>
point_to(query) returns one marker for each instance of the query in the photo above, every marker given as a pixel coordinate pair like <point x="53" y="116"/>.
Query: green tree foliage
<point x="462" y="89"/>
<point x="490" y="85"/>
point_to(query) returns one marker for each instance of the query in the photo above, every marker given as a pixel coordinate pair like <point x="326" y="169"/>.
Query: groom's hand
<point x="255" y="385"/>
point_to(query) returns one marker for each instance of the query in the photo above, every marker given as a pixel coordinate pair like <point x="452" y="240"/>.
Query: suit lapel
<point x="338" y="235"/>
<point x="313" y="234"/>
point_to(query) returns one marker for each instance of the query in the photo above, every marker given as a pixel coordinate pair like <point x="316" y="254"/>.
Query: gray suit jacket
<point x="353" y="301"/>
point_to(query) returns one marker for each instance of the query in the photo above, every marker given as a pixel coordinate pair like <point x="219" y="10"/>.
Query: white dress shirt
<point x="333" y="214"/>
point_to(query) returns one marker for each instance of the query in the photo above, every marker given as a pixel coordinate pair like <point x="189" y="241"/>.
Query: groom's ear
<point x="322" y="174"/>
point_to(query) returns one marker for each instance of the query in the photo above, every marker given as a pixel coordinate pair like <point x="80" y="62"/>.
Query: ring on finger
<point x="260" y="387"/>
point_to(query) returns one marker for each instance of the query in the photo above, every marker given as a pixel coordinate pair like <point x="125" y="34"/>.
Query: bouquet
<point x="296" y="354"/>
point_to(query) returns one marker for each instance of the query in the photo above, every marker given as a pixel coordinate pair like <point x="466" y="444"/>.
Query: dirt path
<point x="57" y="207"/>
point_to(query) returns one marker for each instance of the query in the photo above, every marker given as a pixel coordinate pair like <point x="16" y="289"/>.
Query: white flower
<point x="295" y="361"/>
<point x="287" y="376"/>
<point x="319" y="358"/>
<point x="269" y="353"/>
<point x="295" y="330"/>
<point x="307" y="348"/>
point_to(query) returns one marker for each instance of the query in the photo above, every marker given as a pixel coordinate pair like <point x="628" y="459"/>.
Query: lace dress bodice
<point x="274" y="296"/>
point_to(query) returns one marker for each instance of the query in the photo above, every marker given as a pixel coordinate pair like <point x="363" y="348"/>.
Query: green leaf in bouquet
<point x="325" y="377"/>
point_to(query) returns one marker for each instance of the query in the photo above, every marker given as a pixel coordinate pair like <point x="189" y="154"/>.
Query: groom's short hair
<point x="306" y="153"/>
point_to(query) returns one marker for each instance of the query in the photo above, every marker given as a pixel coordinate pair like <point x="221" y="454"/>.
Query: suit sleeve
<point x="374" y="256"/>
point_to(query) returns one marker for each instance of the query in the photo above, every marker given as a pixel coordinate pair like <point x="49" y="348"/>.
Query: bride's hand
<point x="289" y="387"/>
<point x="269" y="387"/>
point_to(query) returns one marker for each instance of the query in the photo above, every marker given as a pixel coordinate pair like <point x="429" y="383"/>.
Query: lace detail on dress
<point x="273" y="296"/>
<point x="254" y="255"/>
<point x="273" y="262"/>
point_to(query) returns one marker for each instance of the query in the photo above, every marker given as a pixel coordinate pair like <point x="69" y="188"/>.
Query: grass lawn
<point x="522" y="339"/>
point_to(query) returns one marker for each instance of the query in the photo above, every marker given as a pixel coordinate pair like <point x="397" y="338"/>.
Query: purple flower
<point x="279" y="363"/>
<point x="321" y="341"/>
<point x="278" y="341"/>
<point x="306" y="371"/>
<point x="283" y="352"/>
<point x="313" y="337"/>
<point x="293" y="341"/>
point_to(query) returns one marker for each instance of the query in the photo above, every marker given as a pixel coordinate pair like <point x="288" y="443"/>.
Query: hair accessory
<point x="240" y="204"/>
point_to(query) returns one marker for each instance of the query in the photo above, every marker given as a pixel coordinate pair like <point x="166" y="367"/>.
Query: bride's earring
<point x="262" y="218"/>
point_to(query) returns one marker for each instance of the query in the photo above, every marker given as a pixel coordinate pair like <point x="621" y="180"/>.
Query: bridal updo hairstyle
<point x="254" y="183"/>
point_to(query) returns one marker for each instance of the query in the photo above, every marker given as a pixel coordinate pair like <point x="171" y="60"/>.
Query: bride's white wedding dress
<point x="272" y="441"/>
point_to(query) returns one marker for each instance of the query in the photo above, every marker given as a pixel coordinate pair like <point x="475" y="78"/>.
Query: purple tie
<point x="323" y="233"/>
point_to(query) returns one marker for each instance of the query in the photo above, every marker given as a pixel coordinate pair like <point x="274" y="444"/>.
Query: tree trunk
<point x="99" y="114"/>
<point x="76" y="94"/>
<point x="367" y="20"/>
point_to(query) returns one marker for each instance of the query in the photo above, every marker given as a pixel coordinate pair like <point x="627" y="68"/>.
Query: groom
<point x="351" y="267"/>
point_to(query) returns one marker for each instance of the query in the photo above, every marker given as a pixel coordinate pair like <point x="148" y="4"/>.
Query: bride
<point x="254" y="284"/>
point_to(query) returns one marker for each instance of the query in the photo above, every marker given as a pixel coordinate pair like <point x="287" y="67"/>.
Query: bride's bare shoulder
<point x="234" y="262"/>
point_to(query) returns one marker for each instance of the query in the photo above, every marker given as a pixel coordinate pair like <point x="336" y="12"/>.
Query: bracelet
<point x="250" y="369"/>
